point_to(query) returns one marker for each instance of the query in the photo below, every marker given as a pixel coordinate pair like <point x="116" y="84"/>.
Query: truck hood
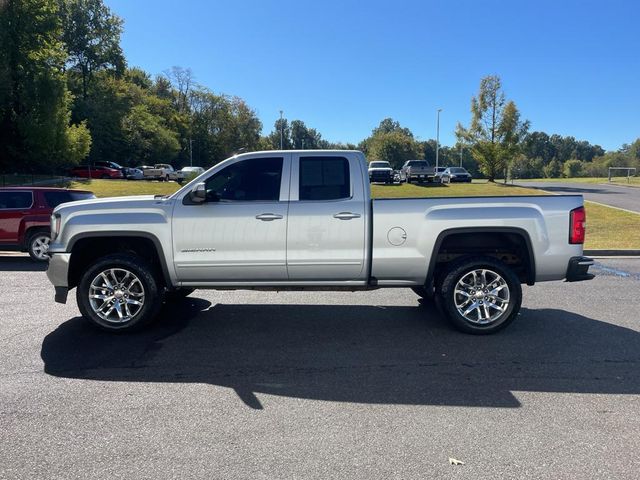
<point x="109" y="203"/>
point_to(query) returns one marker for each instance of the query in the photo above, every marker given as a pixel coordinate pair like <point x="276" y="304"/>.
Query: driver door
<point x="239" y="233"/>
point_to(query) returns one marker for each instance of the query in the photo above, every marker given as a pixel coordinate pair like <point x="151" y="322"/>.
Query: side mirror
<point x="198" y="193"/>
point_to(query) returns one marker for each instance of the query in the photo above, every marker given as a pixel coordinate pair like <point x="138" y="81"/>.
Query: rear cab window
<point x="324" y="178"/>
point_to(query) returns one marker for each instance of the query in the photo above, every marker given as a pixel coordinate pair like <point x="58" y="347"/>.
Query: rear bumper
<point x="578" y="269"/>
<point x="58" y="274"/>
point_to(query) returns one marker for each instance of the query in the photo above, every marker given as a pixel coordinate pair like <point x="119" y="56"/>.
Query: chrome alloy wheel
<point x="40" y="247"/>
<point x="481" y="296"/>
<point x="116" y="295"/>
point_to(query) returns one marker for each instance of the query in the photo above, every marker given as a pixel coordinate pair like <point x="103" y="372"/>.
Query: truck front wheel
<point x="480" y="295"/>
<point x="119" y="293"/>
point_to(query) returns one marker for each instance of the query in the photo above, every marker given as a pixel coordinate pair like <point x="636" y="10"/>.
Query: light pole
<point x="281" y="133"/>
<point x="461" y="155"/>
<point x="191" y="152"/>
<point x="437" y="138"/>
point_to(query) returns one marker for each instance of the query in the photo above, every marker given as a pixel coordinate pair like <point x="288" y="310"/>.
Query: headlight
<point x="55" y="226"/>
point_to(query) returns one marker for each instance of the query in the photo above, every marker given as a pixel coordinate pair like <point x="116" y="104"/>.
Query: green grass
<point x="610" y="228"/>
<point x="607" y="228"/>
<point x="635" y="181"/>
<point x="120" y="188"/>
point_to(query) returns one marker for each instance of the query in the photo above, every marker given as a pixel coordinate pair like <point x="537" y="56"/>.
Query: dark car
<point x="94" y="171"/>
<point x="25" y="217"/>
<point x="456" y="174"/>
<point x="115" y="166"/>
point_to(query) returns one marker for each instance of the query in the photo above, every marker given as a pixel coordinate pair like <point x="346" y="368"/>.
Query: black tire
<point x="35" y="245"/>
<point x="105" y="177"/>
<point x="408" y="179"/>
<point x="178" y="294"/>
<point x="142" y="270"/>
<point x="464" y="267"/>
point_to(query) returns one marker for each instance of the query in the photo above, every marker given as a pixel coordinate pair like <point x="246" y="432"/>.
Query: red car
<point x="25" y="217"/>
<point x="96" y="171"/>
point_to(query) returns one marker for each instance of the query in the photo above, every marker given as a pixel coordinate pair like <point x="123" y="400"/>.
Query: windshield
<point x="379" y="165"/>
<point x="457" y="170"/>
<point x="442" y="169"/>
<point x="82" y="195"/>
<point x="418" y="163"/>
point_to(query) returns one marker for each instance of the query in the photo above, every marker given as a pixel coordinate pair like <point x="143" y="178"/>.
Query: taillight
<point x="577" y="225"/>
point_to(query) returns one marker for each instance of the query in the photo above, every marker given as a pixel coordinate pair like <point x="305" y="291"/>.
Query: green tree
<point x="303" y="137"/>
<point x="553" y="169"/>
<point x="148" y="138"/>
<point x="91" y="33"/>
<point x="572" y="168"/>
<point x="35" y="134"/>
<point x="394" y="147"/>
<point x="495" y="131"/>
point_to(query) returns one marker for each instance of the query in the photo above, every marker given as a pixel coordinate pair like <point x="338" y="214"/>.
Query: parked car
<point x="163" y="172"/>
<point x="25" y="216"/>
<point x="456" y="174"/>
<point x="438" y="174"/>
<point x="192" y="172"/>
<point x="114" y="165"/>
<point x="90" y="171"/>
<point x="418" y="170"/>
<point x="134" y="173"/>
<point x="283" y="220"/>
<point x="380" y="172"/>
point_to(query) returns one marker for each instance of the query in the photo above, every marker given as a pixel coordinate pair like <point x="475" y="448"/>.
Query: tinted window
<point x="248" y="180"/>
<point x="458" y="170"/>
<point x="380" y="165"/>
<point x="16" y="199"/>
<point x="415" y="163"/>
<point x="324" y="178"/>
<point x="53" y="199"/>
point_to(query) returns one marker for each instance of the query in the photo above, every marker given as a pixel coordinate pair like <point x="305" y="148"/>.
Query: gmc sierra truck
<point x="301" y="220"/>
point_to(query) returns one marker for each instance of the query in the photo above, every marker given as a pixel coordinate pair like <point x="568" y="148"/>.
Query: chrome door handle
<point x="267" y="217"/>
<point x="346" y="215"/>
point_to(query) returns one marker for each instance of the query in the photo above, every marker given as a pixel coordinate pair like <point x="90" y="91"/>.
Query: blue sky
<point x="572" y="67"/>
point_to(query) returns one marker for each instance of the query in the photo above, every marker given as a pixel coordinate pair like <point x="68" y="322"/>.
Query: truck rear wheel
<point x="119" y="293"/>
<point x="480" y="295"/>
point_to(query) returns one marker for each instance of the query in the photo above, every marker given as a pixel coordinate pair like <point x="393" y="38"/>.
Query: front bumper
<point x="58" y="274"/>
<point x="578" y="269"/>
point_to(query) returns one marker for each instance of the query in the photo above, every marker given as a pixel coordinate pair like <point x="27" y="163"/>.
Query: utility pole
<point x="281" y="130"/>
<point x="437" y="138"/>
<point x="191" y="152"/>
<point x="461" y="155"/>
<point x="303" y="144"/>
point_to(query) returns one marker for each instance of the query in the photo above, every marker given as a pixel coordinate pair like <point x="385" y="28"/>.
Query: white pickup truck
<point x="304" y="220"/>
<point x="163" y="172"/>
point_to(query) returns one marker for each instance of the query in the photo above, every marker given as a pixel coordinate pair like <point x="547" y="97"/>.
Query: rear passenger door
<point x="14" y="206"/>
<point x="326" y="227"/>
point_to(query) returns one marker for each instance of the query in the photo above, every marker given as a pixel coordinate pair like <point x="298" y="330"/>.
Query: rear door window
<point x="324" y="178"/>
<point x="13" y="200"/>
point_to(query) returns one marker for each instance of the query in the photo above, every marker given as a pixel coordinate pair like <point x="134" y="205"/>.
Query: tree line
<point x="68" y="96"/>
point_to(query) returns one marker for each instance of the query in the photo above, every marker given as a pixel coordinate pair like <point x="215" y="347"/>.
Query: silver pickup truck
<point x="282" y="220"/>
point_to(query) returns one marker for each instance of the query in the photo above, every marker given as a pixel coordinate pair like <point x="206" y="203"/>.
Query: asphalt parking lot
<point x="619" y="196"/>
<point x="322" y="385"/>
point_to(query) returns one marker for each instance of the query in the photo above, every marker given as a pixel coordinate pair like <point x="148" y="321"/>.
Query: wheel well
<point x="512" y="247"/>
<point x="86" y="250"/>
<point x="29" y="232"/>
